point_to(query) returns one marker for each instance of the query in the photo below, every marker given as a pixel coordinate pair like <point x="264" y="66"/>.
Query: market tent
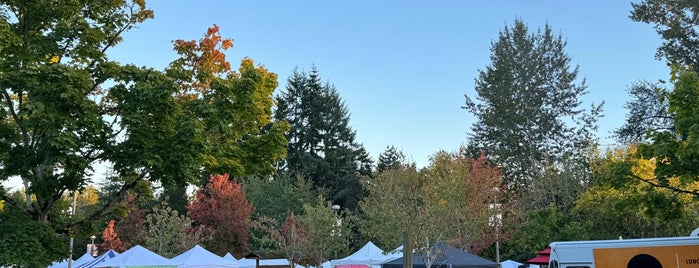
<point x="542" y="257"/>
<point x="452" y="258"/>
<point x="369" y="256"/>
<point x="229" y="256"/>
<point x="510" y="264"/>
<point x="100" y="259"/>
<point x="138" y="256"/>
<point x="198" y="257"/>
<point x="64" y="264"/>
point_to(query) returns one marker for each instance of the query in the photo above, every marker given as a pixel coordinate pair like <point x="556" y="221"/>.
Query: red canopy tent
<point x="542" y="258"/>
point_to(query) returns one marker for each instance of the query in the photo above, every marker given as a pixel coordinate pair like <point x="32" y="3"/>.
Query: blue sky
<point x="403" y="67"/>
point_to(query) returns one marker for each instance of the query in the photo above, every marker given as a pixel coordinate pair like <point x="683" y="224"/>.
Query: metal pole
<point x="497" y="224"/>
<point x="72" y="213"/>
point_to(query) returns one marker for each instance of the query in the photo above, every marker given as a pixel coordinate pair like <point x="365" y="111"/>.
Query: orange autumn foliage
<point x="203" y="60"/>
<point x="111" y="240"/>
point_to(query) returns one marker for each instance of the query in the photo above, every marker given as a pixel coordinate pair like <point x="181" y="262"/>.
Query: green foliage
<point x="648" y="113"/>
<point x="620" y="204"/>
<point x="277" y="197"/>
<point x="447" y="202"/>
<point x="48" y="87"/>
<point x="322" y="146"/>
<point x="539" y="228"/>
<point x="676" y="153"/>
<point x="27" y="243"/>
<point x="64" y="107"/>
<point x="168" y="233"/>
<point x="392" y="206"/>
<point x="327" y="232"/>
<point x="676" y="23"/>
<point x="529" y="114"/>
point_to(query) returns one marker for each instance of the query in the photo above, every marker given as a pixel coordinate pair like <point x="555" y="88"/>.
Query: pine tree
<point x="529" y="116"/>
<point x="322" y="146"/>
<point x="392" y="158"/>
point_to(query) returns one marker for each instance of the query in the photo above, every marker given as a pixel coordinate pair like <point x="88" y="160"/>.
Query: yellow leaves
<point x="644" y="168"/>
<point x="666" y="161"/>
<point x="52" y="59"/>
<point x="2" y="205"/>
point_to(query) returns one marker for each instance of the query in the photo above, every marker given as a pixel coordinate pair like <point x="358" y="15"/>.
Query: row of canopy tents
<point x="369" y="256"/>
<point x="138" y="256"/>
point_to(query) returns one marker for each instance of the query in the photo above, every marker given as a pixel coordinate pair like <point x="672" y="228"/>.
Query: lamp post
<point x="336" y="225"/>
<point x="93" y="249"/>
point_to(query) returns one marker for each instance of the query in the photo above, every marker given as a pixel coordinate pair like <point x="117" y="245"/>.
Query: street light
<point x="336" y="227"/>
<point x="93" y="248"/>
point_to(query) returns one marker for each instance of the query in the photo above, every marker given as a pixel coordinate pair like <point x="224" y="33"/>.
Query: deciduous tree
<point x="111" y="240"/>
<point x="528" y="107"/>
<point x="222" y="208"/>
<point x="326" y="232"/>
<point x="647" y="113"/>
<point x="168" y="233"/>
<point x="618" y="206"/>
<point x="677" y="23"/>
<point x="27" y="243"/>
<point x="61" y="116"/>
<point x="676" y="153"/>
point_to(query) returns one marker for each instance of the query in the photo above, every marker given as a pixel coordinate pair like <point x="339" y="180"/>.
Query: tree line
<point x="280" y="172"/>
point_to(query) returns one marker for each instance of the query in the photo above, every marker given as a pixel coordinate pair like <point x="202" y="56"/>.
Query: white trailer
<point x="668" y="252"/>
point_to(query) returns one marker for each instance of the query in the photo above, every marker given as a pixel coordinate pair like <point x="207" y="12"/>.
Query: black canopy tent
<point x="452" y="258"/>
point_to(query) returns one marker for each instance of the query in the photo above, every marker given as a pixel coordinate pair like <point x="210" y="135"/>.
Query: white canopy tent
<point x="510" y="264"/>
<point x="198" y="257"/>
<point x="100" y="259"/>
<point x="138" y="256"/>
<point x="229" y="256"/>
<point x="369" y="255"/>
<point x="63" y="264"/>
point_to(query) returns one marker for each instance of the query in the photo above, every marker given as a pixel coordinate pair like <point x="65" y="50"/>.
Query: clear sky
<point x="403" y="67"/>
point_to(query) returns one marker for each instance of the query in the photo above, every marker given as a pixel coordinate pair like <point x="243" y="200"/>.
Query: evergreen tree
<point x="392" y="158"/>
<point x="322" y="146"/>
<point x="528" y="113"/>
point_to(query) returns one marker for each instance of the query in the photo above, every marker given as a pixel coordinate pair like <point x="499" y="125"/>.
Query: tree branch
<point x="116" y="198"/>
<point x="17" y="119"/>
<point x="671" y="188"/>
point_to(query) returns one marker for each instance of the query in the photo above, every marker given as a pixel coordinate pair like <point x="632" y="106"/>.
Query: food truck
<point x="666" y="252"/>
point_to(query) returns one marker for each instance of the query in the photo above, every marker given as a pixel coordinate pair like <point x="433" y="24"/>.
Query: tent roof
<point x="452" y="256"/>
<point x="369" y="255"/>
<point x="138" y="256"/>
<point x="85" y="258"/>
<point x="546" y="251"/>
<point x="541" y="259"/>
<point x="510" y="264"/>
<point x="200" y="257"/>
<point x="64" y="263"/>
<point x="229" y="256"/>
<point x="100" y="259"/>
